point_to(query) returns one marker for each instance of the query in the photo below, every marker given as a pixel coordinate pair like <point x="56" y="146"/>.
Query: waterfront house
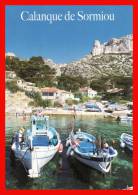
<point x="49" y="93"/>
<point x="115" y="91"/>
<point x="86" y="91"/>
<point x="65" y="94"/>
<point x="52" y="93"/>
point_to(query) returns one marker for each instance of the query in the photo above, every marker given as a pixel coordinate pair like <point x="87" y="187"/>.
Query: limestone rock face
<point x="98" y="48"/>
<point x="57" y="67"/>
<point x="121" y="45"/>
<point x="109" y="59"/>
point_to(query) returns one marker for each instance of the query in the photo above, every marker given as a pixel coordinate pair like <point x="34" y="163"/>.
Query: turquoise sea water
<point x="62" y="173"/>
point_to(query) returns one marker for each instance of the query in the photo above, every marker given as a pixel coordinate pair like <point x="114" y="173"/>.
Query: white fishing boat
<point x="125" y="118"/>
<point x="36" y="146"/>
<point x="126" y="140"/>
<point x="84" y="148"/>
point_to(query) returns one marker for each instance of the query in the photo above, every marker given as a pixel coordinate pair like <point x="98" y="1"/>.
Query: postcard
<point x="68" y="88"/>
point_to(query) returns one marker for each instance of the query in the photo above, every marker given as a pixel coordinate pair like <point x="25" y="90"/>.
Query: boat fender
<point x="71" y="153"/>
<point x="60" y="148"/>
<point x="91" y="154"/>
<point x="122" y="145"/>
<point x="14" y="146"/>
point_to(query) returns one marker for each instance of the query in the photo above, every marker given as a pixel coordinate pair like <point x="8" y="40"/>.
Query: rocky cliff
<point x="121" y="45"/>
<point x="57" y="67"/>
<point x="108" y="59"/>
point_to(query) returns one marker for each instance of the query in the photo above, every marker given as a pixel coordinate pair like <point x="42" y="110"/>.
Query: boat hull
<point x="125" y="119"/>
<point x="100" y="165"/>
<point x="33" y="160"/>
<point x="129" y="147"/>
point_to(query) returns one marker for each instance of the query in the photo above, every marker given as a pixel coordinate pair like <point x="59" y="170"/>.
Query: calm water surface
<point x="61" y="173"/>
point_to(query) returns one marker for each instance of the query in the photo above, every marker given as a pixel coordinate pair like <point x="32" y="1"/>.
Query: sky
<point x="64" y="41"/>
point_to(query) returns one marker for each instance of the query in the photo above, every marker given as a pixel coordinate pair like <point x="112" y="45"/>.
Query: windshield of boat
<point x="41" y="124"/>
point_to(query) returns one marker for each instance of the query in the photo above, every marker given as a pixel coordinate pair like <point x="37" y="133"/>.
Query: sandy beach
<point x="60" y="111"/>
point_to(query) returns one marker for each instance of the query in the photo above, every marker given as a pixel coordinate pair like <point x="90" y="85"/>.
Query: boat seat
<point x="39" y="140"/>
<point x="86" y="147"/>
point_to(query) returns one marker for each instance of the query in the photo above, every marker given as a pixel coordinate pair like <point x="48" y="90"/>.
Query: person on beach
<point x="74" y="109"/>
<point x="24" y="115"/>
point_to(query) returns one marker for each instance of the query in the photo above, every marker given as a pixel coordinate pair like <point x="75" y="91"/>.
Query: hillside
<point x="107" y="66"/>
<point x="113" y="58"/>
<point x="93" y="67"/>
<point x="17" y="102"/>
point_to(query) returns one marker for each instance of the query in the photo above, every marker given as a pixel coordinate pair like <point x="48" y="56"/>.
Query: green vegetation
<point x="97" y="98"/>
<point x="57" y="104"/>
<point x="12" y="87"/>
<point x="34" y="70"/>
<point x="37" y="100"/>
<point x="12" y="64"/>
<point x="84" y="99"/>
<point x="71" y="83"/>
<point x="105" y="83"/>
<point x="71" y="102"/>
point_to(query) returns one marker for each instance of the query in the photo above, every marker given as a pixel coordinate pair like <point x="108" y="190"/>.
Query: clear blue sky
<point x="62" y="41"/>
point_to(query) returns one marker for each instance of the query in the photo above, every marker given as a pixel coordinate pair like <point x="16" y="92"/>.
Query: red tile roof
<point x="49" y="89"/>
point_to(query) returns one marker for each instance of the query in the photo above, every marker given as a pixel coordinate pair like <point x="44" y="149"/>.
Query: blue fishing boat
<point x="92" y="107"/>
<point x="84" y="148"/>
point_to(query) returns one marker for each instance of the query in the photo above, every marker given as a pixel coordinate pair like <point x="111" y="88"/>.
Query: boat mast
<point x="46" y="118"/>
<point x="33" y="125"/>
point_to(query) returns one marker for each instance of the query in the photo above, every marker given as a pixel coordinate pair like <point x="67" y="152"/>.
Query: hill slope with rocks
<point x="113" y="58"/>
